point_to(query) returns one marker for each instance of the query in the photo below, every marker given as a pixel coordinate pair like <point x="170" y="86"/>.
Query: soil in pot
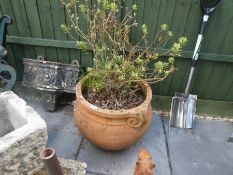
<point x="126" y="98"/>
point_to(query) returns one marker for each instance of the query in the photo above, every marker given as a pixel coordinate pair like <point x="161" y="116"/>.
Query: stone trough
<point x="69" y="167"/>
<point x="23" y="133"/>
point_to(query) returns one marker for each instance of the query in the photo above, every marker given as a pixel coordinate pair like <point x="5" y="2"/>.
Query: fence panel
<point x="36" y="31"/>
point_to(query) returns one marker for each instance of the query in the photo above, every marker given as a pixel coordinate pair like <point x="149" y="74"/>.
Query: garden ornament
<point x="144" y="164"/>
<point x="7" y="73"/>
<point x="183" y="106"/>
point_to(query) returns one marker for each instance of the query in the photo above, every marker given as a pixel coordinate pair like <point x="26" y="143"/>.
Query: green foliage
<point x="117" y="62"/>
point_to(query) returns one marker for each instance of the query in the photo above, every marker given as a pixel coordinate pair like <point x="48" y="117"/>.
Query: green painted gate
<point x="36" y="31"/>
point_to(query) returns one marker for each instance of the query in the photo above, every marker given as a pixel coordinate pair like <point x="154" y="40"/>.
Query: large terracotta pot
<point x="112" y="129"/>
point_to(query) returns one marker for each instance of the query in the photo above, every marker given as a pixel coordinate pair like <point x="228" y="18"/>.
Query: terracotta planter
<point x="112" y="129"/>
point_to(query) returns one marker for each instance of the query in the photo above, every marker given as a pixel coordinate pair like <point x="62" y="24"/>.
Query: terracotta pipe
<point x="49" y="158"/>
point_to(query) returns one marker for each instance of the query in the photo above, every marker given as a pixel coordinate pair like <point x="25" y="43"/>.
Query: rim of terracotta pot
<point x="115" y="113"/>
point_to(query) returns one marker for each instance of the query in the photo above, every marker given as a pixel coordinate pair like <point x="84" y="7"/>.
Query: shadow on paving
<point x="62" y="133"/>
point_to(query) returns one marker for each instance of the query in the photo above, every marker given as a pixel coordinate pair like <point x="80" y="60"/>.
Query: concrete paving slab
<point x="202" y="152"/>
<point x="62" y="133"/>
<point x="123" y="162"/>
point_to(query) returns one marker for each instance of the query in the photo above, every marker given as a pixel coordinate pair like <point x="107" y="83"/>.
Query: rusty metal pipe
<point x="49" y="158"/>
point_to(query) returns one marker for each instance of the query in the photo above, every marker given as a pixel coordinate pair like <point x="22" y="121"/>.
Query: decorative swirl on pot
<point x="137" y="121"/>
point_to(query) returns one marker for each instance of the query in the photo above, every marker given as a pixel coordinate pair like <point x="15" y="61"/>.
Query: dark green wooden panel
<point x="166" y="11"/>
<point x="1" y="13"/>
<point x="74" y="54"/>
<point x="182" y="9"/>
<point x="150" y="16"/>
<point x="229" y="96"/>
<point x="127" y="5"/>
<point x="136" y="31"/>
<point x="208" y="69"/>
<point x="6" y="9"/>
<point x="86" y="57"/>
<point x="47" y="27"/>
<point x="191" y="32"/>
<point x="225" y="79"/>
<point x="211" y="78"/>
<point x="34" y="24"/>
<point x="24" y="31"/>
<point x="58" y="18"/>
<point x="36" y="30"/>
<point x="23" y="26"/>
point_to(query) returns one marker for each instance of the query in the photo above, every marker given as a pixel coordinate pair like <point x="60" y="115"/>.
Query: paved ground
<point x="202" y="152"/>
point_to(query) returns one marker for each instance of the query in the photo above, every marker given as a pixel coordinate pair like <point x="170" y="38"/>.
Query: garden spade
<point x="183" y="106"/>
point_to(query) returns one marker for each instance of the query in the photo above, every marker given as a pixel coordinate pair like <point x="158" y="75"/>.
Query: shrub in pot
<point x="113" y="104"/>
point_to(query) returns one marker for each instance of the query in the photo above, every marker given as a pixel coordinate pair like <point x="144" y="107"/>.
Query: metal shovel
<point x="183" y="106"/>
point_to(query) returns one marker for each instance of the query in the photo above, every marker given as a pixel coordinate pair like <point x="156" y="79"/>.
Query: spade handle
<point x="196" y="53"/>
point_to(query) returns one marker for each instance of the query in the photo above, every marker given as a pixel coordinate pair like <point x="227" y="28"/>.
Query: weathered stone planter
<point x="69" y="167"/>
<point x="22" y="135"/>
<point x="51" y="78"/>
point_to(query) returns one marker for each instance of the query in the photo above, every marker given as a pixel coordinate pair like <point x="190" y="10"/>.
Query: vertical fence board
<point x="150" y="17"/>
<point x="191" y="32"/>
<point x="166" y="11"/>
<point x="182" y="9"/>
<point x="58" y="18"/>
<point x="24" y="31"/>
<point x="86" y="56"/>
<point x="23" y="26"/>
<point x="47" y="27"/>
<point x="74" y="54"/>
<point x="34" y="24"/>
<point x="225" y="79"/>
<point x="127" y="6"/>
<point x="136" y="31"/>
<point x="6" y="8"/>
<point x="229" y="96"/>
<point x="1" y="13"/>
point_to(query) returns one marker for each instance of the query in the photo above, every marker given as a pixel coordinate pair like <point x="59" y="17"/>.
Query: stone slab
<point x="123" y="162"/>
<point x="204" y="151"/>
<point x="62" y="133"/>
<point x="69" y="167"/>
<point x="230" y="138"/>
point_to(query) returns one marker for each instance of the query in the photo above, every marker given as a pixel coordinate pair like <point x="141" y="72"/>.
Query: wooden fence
<point x="36" y="31"/>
